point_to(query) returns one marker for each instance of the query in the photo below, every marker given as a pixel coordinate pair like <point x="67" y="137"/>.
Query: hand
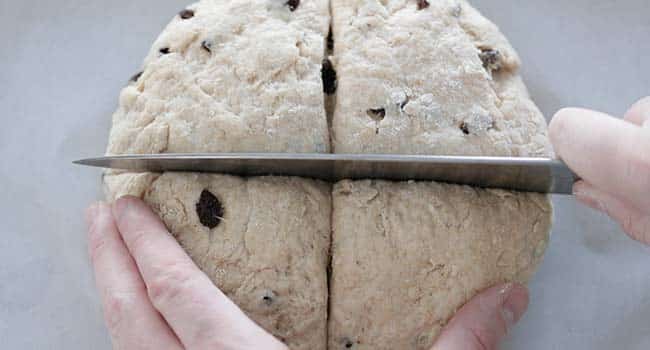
<point x="485" y="319"/>
<point x="612" y="156"/>
<point x="153" y="295"/>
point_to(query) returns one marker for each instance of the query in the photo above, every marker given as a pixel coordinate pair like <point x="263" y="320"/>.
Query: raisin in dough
<point x="263" y="241"/>
<point x="407" y="255"/>
<point x="230" y="76"/>
<point x="428" y="77"/>
<point x="437" y="78"/>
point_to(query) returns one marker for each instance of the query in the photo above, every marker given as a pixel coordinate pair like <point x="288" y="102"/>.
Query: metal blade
<point x="519" y="174"/>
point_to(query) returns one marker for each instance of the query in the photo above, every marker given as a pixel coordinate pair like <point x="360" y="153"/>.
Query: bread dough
<point x="268" y="247"/>
<point x="436" y="78"/>
<point x="237" y="76"/>
<point x="415" y="77"/>
<point x="407" y="255"/>
<point x="413" y="81"/>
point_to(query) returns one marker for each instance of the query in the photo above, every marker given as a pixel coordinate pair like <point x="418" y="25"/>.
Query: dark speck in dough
<point x="186" y="14"/>
<point x="330" y="41"/>
<point x="269" y="297"/>
<point x="422" y="4"/>
<point x="464" y="128"/>
<point x="135" y="77"/>
<point x="377" y="114"/>
<point x="328" y="74"/>
<point x="347" y="343"/>
<point x="491" y="59"/>
<point x="206" y="45"/>
<point x="404" y="103"/>
<point x="209" y="210"/>
<point x="293" y="4"/>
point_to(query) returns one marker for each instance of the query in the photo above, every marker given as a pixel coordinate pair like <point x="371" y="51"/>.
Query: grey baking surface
<point x="62" y="64"/>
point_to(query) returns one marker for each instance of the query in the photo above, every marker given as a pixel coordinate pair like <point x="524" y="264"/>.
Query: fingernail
<point x="514" y="304"/>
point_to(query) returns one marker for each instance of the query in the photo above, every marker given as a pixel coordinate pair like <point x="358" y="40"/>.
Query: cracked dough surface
<point x="245" y="76"/>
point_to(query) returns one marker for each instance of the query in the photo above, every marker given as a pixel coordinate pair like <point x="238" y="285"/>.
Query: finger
<point x="132" y="320"/>
<point x="639" y="114"/>
<point x="484" y="320"/>
<point x="200" y="314"/>
<point x="609" y="153"/>
<point x="633" y="221"/>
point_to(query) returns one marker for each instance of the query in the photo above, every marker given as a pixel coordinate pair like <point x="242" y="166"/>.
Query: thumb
<point x="484" y="320"/>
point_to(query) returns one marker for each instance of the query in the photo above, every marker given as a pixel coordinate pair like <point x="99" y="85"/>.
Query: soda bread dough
<point x="263" y="241"/>
<point x="407" y="255"/>
<point x="428" y="77"/>
<point x="236" y="76"/>
<point x="414" y="76"/>
<point x="239" y="76"/>
<point x="437" y="78"/>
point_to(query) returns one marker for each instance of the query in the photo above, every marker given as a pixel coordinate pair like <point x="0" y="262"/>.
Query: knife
<point x="519" y="174"/>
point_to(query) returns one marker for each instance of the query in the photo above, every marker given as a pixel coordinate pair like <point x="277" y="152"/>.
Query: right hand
<point x="612" y="157"/>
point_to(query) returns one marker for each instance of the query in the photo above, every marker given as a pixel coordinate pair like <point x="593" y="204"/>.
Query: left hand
<point x="154" y="296"/>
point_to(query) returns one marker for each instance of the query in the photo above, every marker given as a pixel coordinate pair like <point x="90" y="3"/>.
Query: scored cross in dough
<point x="412" y="77"/>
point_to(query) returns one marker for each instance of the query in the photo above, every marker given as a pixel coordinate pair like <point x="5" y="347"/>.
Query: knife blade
<point x="519" y="174"/>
